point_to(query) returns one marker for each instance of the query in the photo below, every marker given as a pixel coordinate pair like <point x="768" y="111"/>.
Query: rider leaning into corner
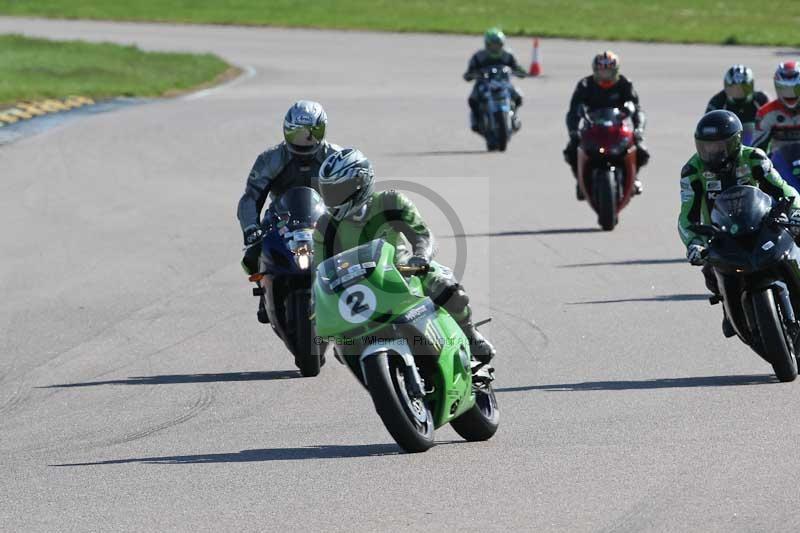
<point x="494" y="54"/>
<point x="357" y="215"/>
<point x="295" y="162"/>
<point x="778" y="122"/>
<point x="739" y="96"/>
<point x="606" y="87"/>
<point x="721" y="162"/>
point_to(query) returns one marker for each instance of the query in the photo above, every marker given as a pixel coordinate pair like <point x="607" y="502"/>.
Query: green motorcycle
<point x="410" y="355"/>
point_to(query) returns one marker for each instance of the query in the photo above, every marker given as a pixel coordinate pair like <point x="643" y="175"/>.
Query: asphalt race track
<point x="138" y="392"/>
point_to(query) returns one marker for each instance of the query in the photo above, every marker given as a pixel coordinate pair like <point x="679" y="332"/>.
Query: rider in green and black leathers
<point x="722" y="162"/>
<point x="739" y="95"/>
<point x="493" y="55"/>
<point x="357" y="215"/>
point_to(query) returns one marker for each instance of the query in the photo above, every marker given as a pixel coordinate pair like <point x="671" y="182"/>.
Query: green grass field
<point x="775" y="22"/>
<point x="38" y="68"/>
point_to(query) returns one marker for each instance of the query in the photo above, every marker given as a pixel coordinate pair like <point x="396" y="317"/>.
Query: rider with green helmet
<point x="357" y="215"/>
<point x="494" y="54"/>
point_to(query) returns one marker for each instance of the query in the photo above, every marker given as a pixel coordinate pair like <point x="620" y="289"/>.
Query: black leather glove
<point x="252" y="235"/>
<point x="419" y="262"/>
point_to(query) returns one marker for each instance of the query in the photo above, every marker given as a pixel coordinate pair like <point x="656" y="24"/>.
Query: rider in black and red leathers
<point x="606" y="87"/>
<point x="778" y="122"/>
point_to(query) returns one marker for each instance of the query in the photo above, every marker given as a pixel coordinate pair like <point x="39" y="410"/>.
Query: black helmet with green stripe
<point x="495" y="40"/>
<point x="304" y="127"/>
<point x="718" y="139"/>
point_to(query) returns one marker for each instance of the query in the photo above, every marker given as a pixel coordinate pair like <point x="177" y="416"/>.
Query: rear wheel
<point x="482" y="420"/>
<point x="501" y="130"/>
<point x="306" y="352"/>
<point x="408" y="420"/>
<point x="773" y="335"/>
<point x="604" y="189"/>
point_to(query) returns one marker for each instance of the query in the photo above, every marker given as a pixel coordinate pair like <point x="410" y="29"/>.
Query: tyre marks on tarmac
<point x="201" y="402"/>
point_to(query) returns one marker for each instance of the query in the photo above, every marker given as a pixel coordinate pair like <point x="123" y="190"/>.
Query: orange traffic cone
<point x="536" y="67"/>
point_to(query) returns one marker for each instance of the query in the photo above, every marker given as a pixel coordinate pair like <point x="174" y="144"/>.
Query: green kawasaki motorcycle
<point x="412" y="357"/>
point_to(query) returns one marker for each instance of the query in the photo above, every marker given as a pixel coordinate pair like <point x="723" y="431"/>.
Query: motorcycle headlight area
<point x="301" y="245"/>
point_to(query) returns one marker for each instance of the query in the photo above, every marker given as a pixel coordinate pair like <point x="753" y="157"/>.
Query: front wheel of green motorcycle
<point x="483" y="418"/>
<point x="408" y="420"/>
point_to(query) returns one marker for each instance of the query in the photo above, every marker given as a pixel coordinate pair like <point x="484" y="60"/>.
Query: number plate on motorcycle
<point x="303" y="235"/>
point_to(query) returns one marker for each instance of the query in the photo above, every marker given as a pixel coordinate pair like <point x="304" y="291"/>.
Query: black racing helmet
<point x="718" y="138"/>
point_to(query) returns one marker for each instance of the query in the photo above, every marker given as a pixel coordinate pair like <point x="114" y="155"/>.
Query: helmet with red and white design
<point x="787" y="83"/>
<point x="605" y="67"/>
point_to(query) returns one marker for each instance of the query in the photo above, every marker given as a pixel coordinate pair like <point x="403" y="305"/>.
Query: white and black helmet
<point x="346" y="182"/>
<point x="739" y="83"/>
<point x="304" y="127"/>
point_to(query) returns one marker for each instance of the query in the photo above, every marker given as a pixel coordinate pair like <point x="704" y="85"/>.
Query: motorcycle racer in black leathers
<point x="606" y="87"/>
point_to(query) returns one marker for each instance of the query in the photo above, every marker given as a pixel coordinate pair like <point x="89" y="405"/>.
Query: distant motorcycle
<point x="754" y="258"/>
<point x="787" y="162"/>
<point x="285" y="274"/>
<point x="497" y="116"/>
<point x="607" y="162"/>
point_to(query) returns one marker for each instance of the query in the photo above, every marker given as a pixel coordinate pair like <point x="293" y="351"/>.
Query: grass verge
<point x="38" y="68"/>
<point x="701" y="21"/>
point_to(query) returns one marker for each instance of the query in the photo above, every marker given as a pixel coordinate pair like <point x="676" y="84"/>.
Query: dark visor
<point x="338" y="193"/>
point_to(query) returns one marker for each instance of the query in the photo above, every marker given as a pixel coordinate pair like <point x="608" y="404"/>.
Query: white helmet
<point x="304" y="127"/>
<point x="346" y="182"/>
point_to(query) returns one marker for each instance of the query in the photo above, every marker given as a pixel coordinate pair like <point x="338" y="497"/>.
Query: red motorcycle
<point x="607" y="163"/>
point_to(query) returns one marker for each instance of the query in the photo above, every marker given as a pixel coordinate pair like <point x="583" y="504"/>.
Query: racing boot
<point x="481" y="349"/>
<point x="579" y="193"/>
<point x="473" y="121"/>
<point x="727" y="327"/>
<point x="262" y="315"/>
<point x="516" y="122"/>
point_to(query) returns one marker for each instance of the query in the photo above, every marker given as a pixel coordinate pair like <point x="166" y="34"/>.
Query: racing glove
<point x="252" y="234"/>
<point x="794" y="220"/>
<point x="418" y="262"/>
<point x="696" y="253"/>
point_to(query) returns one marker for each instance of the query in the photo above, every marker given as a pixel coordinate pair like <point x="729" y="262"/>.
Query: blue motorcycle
<point x="497" y="115"/>
<point x="285" y="274"/>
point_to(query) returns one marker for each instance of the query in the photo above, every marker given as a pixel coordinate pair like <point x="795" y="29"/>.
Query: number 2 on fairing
<point x="357" y="303"/>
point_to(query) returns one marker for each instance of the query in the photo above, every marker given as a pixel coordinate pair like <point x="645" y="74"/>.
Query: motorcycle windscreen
<point x="345" y="269"/>
<point x="740" y="210"/>
<point x="299" y="207"/>
<point x="607" y="116"/>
